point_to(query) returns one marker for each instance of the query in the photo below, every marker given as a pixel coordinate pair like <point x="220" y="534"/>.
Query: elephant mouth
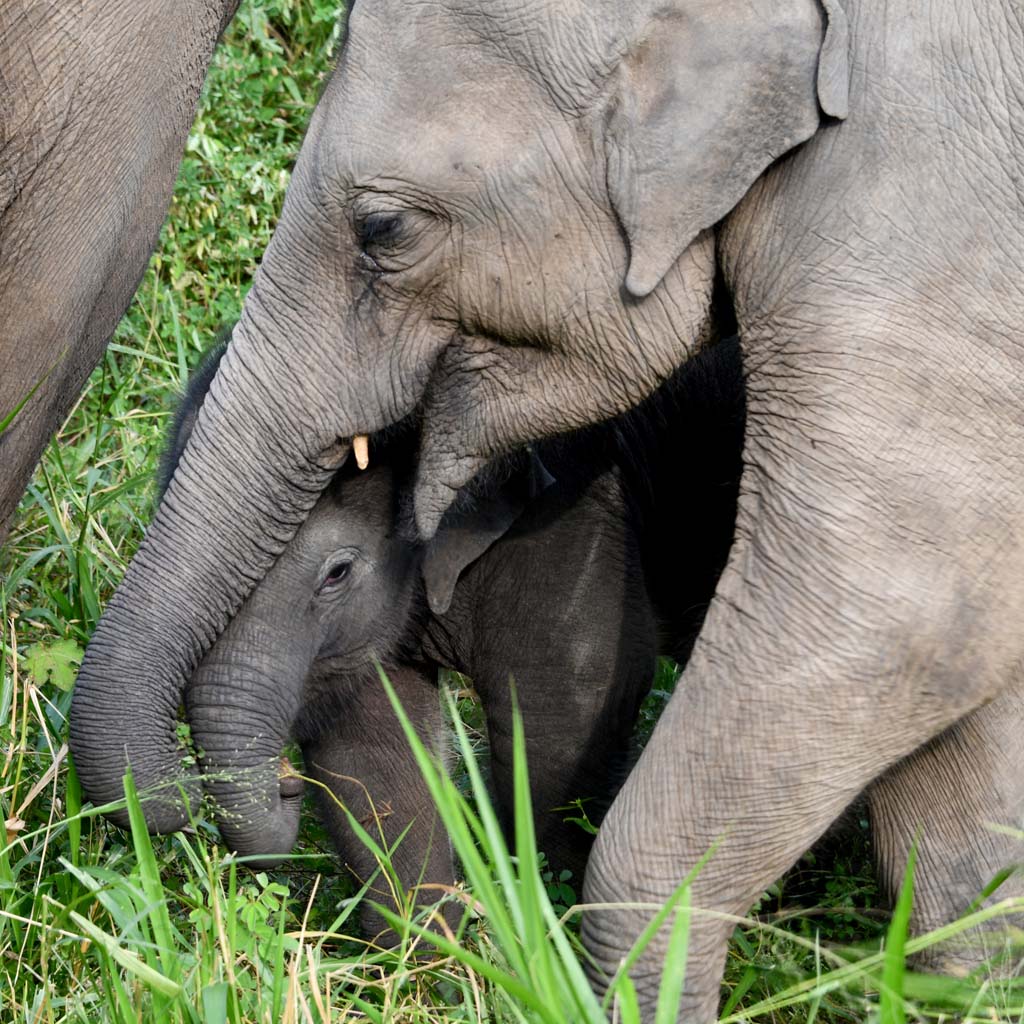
<point x="290" y="784"/>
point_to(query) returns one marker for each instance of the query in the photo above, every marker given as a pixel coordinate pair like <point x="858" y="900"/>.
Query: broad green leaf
<point x="55" y="663"/>
<point x="215" y="1003"/>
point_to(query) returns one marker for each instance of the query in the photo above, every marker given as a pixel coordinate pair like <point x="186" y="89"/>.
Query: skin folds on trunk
<point x="241" y="704"/>
<point x="275" y="426"/>
<point x="214" y="536"/>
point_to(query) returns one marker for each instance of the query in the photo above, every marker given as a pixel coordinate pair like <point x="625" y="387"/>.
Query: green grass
<point x="98" y="925"/>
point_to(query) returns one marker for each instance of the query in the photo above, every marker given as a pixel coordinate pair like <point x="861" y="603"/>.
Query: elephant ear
<point x="713" y="93"/>
<point x="465" y="535"/>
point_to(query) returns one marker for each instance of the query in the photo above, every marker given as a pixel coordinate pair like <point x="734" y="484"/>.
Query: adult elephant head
<point x="500" y="217"/>
<point x="96" y="100"/>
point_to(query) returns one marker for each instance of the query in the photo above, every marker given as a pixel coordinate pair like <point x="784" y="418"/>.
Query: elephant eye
<point x="391" y="241"/>
<point x="379" y="230"/>
<point x="380" y="235"/>
<point x="336" y="573"/>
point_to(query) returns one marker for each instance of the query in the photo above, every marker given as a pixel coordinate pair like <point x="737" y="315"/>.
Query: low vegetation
<point x="97" y="925"/>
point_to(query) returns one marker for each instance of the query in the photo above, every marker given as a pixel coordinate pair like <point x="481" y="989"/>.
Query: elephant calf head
<point x="345" y="594"/>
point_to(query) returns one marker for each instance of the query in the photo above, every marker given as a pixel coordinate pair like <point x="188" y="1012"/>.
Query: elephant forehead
<point x="412" y="103"/>
<point x="354" y="510"/>
<point x="567" y="46"/>
<point x="455" y="159"/>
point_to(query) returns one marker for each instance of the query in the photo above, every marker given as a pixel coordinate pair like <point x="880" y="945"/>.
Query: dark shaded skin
<point x="570" y="595"/>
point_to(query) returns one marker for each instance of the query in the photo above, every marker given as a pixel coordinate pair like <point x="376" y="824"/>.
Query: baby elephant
<point x="564" y="573"/>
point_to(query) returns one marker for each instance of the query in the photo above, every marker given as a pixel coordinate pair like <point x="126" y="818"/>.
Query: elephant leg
<point x="560" y="623"/>
<point x="953" y="794"/>
<point x="865" y="608"/>
<point x="753" y="759"/>
<point x="353" y="745"/>
<point x="579" y="753"/>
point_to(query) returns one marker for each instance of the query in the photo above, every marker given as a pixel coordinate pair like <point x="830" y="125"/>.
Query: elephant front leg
<point x="862" y="613"/>
<point x="354" y="746"/>
<point x="756" y="754"/>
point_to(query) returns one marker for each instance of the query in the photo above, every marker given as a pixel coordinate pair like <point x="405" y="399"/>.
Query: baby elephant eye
<point x="335" y="574"/>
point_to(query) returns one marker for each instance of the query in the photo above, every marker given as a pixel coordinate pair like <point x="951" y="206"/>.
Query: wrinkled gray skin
<point x="96" y="100"/>
<point x="513" y="214"/>
<point x="566" y="585"/>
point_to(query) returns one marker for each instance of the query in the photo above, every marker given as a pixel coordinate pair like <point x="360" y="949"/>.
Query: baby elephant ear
<point x="465" y="535"/>
<point x="713" y="94"/>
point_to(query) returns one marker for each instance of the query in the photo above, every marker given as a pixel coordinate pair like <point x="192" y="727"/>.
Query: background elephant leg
<point x="362" y="756"/>
<point x="580" y="752"/>
<point x="949" y="793"/>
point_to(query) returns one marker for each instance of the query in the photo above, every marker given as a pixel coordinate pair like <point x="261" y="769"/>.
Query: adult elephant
<point x="96" y="100"/>
<point x="514" y="216"/>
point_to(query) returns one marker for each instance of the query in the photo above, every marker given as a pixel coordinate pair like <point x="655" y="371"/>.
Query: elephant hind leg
<point x="954" y="793"/>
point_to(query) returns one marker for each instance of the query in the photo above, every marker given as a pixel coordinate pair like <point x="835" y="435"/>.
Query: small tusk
<point x="361" y="446"/>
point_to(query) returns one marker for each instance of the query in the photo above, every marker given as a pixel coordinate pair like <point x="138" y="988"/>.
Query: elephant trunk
<point x="247" y="479"/>
<point x="114" y="726"/>
<point x="297" y="382"/>
<point x="242" y="703"/>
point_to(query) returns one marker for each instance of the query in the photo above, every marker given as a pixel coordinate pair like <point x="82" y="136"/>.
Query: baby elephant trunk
<point x="241" y="705"/>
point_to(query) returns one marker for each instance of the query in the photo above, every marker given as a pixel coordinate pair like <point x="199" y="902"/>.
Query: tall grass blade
<point x="152" y="885"/>
<point x="560" y="971"/>
<point x="277" y="991"/>
<point x="890" y="1010"/>
<point x="10" y="417"/>
<point x="626" y="1006"/>
<point x="130" y="961"/>
<point x="673" y="972"/>
<point x="73" y="801"/>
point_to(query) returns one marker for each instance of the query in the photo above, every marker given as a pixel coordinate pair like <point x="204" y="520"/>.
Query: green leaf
<point x="55" y="663"/>
<point x="215" y="1003"/>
